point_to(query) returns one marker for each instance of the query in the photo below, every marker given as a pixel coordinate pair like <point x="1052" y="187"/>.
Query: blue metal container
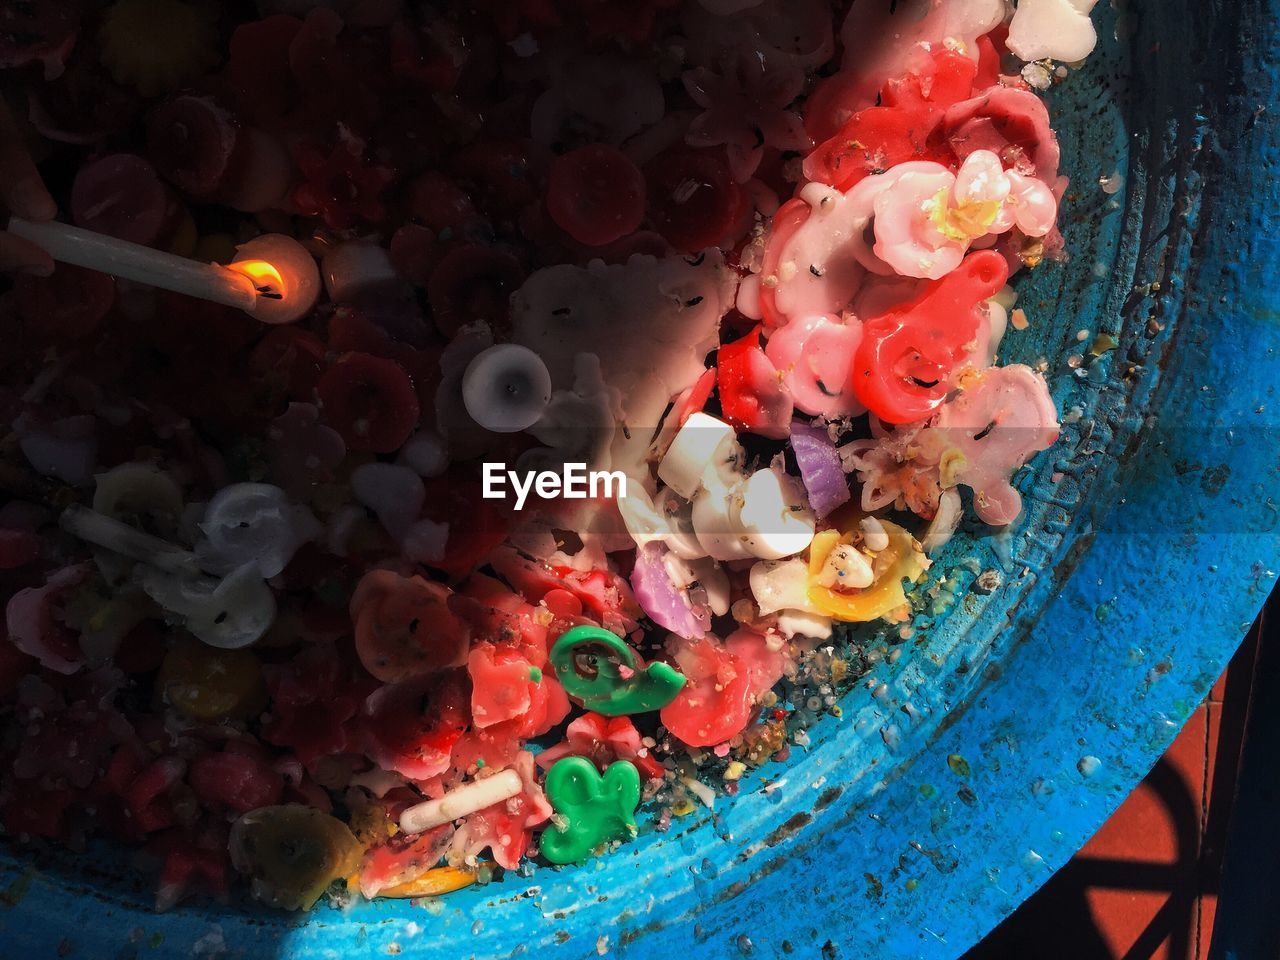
<point x="1013" y="722"/>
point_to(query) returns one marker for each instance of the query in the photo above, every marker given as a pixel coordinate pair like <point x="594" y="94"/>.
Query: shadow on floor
<point x="1146" y="886"/>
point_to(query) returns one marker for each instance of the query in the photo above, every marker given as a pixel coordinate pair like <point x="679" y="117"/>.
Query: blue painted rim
<point x="1013" y="723"/>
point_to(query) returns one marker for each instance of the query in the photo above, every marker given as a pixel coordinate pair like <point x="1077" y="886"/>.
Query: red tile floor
<point x="1145" y="887"/>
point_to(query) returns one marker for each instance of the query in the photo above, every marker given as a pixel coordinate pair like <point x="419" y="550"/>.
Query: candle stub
<point x="506" y="388"/>
<point x="461" y="802"/>
<point x="702" y="443"/>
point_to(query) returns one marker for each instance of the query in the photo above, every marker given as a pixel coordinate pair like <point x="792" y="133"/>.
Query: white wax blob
<point x="64" y="449"/>
<point x="705" y="575"/>
<point x="802" y="623"/>
<point x="356" y="268"/>
<point x="392" y="491"/>
<point x="773" y="516"/>
<point x="717" y="528"/>
<point x="425" y="452"/>
<point x="682" y="539"/>
<point x="1053" y="29"/>
<point x="229" y="613"/>
<point x="781" y="585"/>
<point x="640" y="517"/>
<point x="945" y="522"/>
<point x="395" y="493"/>
<point x="254" y="524"/>
<point x="425" y="541"/>
<point x="729" y="516"/>
<point x="846" y="568"/>
<point x="703" y="444"/>
<point x="506" y="388"/>
<point x="137" y="490"/>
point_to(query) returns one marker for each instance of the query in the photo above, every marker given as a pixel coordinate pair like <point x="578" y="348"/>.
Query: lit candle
<point x="284" y="274"/>
<point x="273" y="277"/>
<point x="506" y="388"/>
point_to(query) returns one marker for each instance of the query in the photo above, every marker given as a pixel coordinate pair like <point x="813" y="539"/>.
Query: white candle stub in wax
<point x="773" y="517"/>
<point x="703" y="445"/>
<point x="506" y="388"/>
<point x="461" y="802"/>
<point x="232" y="612"/>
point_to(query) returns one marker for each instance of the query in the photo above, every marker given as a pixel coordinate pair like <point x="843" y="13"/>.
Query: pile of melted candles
<point x="255" y="597"/>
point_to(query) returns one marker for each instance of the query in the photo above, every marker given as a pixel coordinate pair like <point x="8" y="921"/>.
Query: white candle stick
<point x="132" y="261"/>
<point x="273" y="277"/>
<point x="461" y="802"/>
<point x="118" y="537"/>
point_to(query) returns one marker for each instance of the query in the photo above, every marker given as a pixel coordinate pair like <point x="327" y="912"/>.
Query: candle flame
<point x="267" y="280"/>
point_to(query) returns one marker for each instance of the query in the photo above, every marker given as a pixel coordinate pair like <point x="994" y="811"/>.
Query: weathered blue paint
<point x="1014" y="723"/>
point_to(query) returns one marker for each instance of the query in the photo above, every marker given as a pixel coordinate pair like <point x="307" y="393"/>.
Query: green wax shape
<point x="590" y="662"/>
<point x="595" y="809"/>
